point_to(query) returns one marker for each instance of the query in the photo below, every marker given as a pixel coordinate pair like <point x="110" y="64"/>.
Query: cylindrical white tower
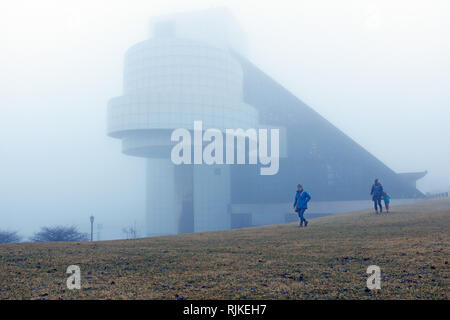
<point x="170" y="82"/>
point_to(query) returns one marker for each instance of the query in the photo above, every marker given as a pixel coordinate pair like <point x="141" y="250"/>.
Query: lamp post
<point x="92" y="228"/>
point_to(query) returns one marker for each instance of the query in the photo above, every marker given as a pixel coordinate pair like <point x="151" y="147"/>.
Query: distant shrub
<point x="59" y="233"/>
<point x="9" y="236"/>
<point x="130" y="232"/>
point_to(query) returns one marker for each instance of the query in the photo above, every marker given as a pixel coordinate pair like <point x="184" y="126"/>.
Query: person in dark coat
<point x="301" y="204"/>
<point x="377" y="193"/>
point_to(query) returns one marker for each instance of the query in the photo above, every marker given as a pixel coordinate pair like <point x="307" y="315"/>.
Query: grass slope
<point x="327" y="260"/>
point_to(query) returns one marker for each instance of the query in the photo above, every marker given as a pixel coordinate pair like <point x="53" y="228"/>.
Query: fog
<point x="378" y="70"/>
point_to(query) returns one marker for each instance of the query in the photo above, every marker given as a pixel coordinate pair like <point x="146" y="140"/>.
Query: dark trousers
<point x="301" y="212"/>
<point x="377" y="202"/>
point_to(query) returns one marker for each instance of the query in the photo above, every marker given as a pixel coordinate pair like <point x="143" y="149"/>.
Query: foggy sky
<point x="378" y="70"/>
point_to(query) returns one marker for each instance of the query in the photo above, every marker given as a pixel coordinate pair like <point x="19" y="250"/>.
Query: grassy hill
<point x="326" y="260"/>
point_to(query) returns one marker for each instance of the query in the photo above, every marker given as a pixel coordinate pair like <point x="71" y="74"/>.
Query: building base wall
<point x="186" y="198"/>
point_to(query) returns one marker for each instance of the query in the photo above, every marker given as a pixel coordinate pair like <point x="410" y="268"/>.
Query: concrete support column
<point x="211" y="197"/>
<point x="161" y="203"/>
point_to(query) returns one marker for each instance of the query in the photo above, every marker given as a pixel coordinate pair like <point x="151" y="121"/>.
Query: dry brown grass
<point x="327" y="260"/>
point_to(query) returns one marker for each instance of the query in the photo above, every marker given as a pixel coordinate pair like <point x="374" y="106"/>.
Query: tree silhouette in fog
<point x="9" y="236"/>
<point x="59" y="233"/>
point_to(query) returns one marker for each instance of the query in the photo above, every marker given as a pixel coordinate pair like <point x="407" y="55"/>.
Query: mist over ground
<point x="378" y="70"/>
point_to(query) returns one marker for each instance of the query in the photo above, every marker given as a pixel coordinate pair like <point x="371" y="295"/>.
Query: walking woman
<point x="377" y="194"/>
<point x="301" y="204"/>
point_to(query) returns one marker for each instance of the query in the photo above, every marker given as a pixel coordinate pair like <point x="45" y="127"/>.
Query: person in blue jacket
<point x="387" y="201"/>
<point x="377" y="193"/>
<point x="301" y="204"/>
